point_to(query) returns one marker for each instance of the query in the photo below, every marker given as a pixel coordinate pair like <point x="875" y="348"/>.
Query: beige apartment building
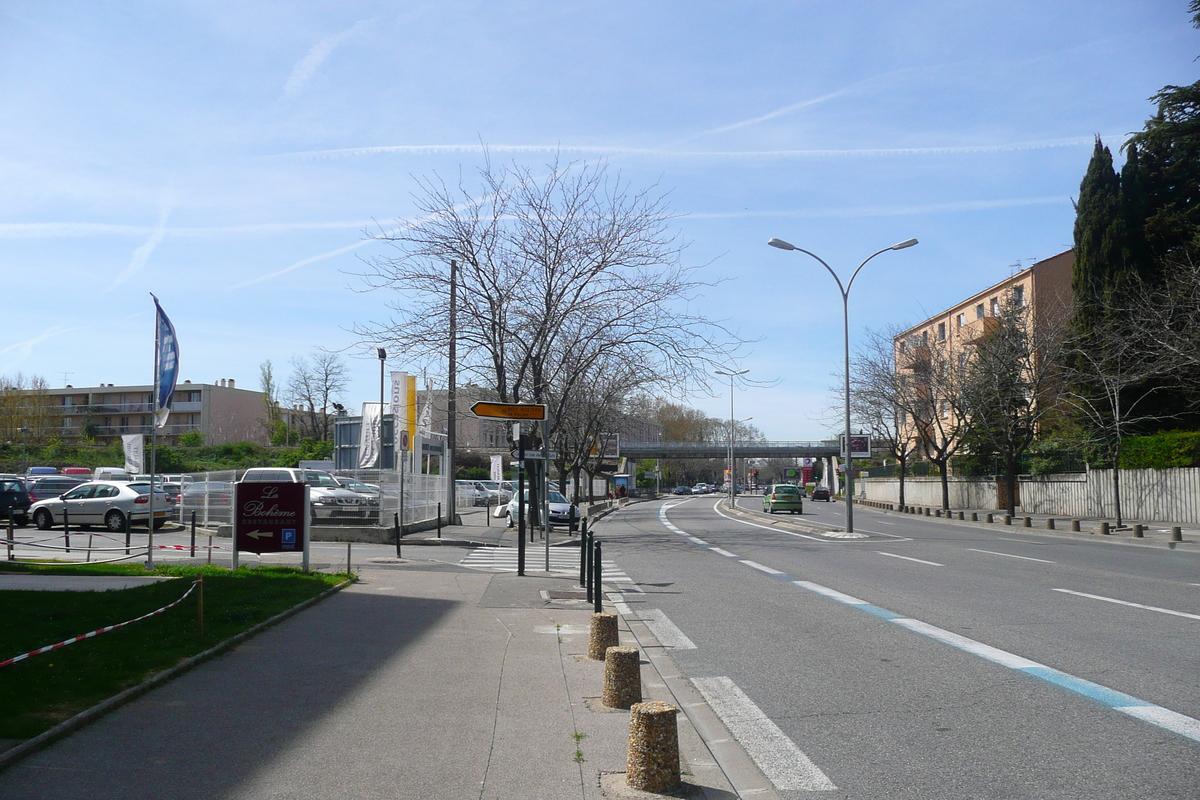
<point x="1044" y="288"/>
<point x="220" y="411"/>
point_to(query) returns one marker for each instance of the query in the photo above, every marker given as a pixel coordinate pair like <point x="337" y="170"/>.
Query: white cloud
<point x="888" y="211"/>
<point x="306" y="67"/>
<point x="142" y="254"/>
<point x="18" y="352"/>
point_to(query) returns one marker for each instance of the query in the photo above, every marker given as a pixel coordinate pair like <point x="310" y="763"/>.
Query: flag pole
<point x="153" y="440"/>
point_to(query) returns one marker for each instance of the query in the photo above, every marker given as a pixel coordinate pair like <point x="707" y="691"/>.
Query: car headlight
<point x="324" y="501"/>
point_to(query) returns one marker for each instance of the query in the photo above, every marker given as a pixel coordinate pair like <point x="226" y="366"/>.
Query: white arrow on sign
<point x="259" y="534"/>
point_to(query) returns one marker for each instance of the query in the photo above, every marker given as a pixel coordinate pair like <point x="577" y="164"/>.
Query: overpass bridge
<point x="747" y="449"/>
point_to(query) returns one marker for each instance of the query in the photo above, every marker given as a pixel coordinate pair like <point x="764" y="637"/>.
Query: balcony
<point x="978" y="330"/>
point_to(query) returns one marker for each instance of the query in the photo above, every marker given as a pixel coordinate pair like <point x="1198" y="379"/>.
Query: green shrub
<point x="1163" y="450"/>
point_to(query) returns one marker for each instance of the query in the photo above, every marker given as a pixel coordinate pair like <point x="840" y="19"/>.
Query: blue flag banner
<point x="167" y="358"/>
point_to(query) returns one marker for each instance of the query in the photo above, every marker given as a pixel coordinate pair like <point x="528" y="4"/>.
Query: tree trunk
<point x="1117" y="486"/>
<point x="945" y="484"/>
<point x="903" y="469"/>
<point x="1010" y="483"/>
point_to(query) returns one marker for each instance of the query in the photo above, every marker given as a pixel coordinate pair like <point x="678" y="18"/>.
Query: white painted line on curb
<point x="667" y="633"/>
<point x="1127" y="603"/>
<point x="776" y="755"/>
<point x="907" y="558"/>
<point x="1010" y="555"/>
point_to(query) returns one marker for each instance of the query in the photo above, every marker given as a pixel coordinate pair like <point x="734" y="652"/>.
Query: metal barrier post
<point x="67" y="528"/>
<point x="89" y="547"/>
<point x="128" y="526"/>
<point x="10" y="534"/>
<point x="583" y="554"/>
<point x="597" y="602"/>
<point x="439" y="520"/>
<point x="396" y="528"/>
<point x="587" y="549"/>
<point x="193" y="534"/>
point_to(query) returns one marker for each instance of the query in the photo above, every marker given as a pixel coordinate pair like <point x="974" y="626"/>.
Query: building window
<point x="979" y="311"/>
<point x="941" y="331"/>
<point x="995" y="307"/>
<point x="925" y="338"/>
<point x="1018" y="296"/>
<point x="958" y="321"/>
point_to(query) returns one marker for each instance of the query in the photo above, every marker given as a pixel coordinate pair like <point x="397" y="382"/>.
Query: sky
<point x="231" y="157"/>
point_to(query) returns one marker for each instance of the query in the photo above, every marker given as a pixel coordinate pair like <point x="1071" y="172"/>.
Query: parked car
<point x="782" y="497"/>
<point x="111" y="474"/>
<point x="47" y="486"/>
<point x="79" y="472"/>
<point x="367" y="490"/>
<point x="211" y="500"/>
<point x="470" y="493"/>
<point x="107" y="503"/>
<point x="683" y="490"/>
<point x="562" y="511"/>
<point x="497" y="494"/>
<point x="329" y="500"/>
<point x="821" y="493"/>
<point x="15" y="499"/>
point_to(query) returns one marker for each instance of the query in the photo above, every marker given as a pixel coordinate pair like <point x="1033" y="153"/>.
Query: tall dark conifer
<point x="1098" y="238"/>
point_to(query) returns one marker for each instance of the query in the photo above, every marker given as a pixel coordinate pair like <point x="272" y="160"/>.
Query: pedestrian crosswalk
<point x="562" y="560"/>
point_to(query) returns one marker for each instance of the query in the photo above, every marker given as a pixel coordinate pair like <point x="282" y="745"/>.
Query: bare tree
<point x="882" y="398"/>
<point x="557" y="275"/>
<point x="270" y="389"/>
<point x="1014" y="382"/>
<point x="934" y="374"/>
<point x="315" y="383"/>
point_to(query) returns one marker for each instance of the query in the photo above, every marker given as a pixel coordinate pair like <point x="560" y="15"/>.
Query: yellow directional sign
<point x="509" y="410"/>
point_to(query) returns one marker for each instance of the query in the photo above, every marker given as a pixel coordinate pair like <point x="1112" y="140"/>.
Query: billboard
<point x="269" y="517"/>
<point x="860" y="445"/>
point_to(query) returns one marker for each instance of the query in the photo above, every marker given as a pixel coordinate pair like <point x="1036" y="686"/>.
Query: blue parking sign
<point x="288" y="537"/>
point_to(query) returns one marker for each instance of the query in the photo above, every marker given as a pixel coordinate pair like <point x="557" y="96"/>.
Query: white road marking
<point x="667" y="633"/>
<point x="907" y="558"/>
<point x="1127" y="603"/>
<point x="700" y="542"/>
<point x="721" y="552"/>
<point x="1010" y="555"/>
<point x="881" y="522"/>
<point x="776" y="755"/>
<point x="761" y="568"/>
<point x="993" y="654"/>
<point x="832" y="594"/>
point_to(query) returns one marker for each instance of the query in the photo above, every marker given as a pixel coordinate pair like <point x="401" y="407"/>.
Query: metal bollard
<point x="10" y="534"/>
<point x="67" y="528"/>
<point x="597" y="592"/>
<point x="1075" y="526"/>
<point x="602" y="635"/>
<point x="439" y="520"/>
<point x="129" y="533"/>
<point x="1050" y="523"/>
<point x="1176" y="534"/>
<point x="653" y="761"/>
<point x="588" y="566"/>
<point x="396" y="531"/>
<point x="1137" y="531"/>
<point x="193" y="534"/>
<point x="622" y="677"/>
<point x="349" y="568"/>
<point x="583" y="555"/>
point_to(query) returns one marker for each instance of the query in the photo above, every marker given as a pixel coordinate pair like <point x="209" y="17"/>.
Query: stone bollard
<point x="1176" y="534"/>
<point x="1075" y="526"/>
<point x="1137" y="531"/>
<point x="1007" y="519"/>
<point x="974" y="516"/>
<point x="937" y="512"/>
<point x="927" y="511"/>
<point x="1028" y="523"/>
<point x="622" y="677"/>
<point x="603" y="635"/>
<point x="1104" y="528"/>
<point x="653" y="762"/>
<point x="962" y="516"/>
<point x="1049" y="523"/>
<point x="989" y="518"/>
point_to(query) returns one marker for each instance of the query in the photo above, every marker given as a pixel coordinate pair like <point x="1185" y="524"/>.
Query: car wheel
<point x="508" y="516"/>
<point x="160" y="523"/>
<point x="115" y="521"/>
<point x="43" y="519"/>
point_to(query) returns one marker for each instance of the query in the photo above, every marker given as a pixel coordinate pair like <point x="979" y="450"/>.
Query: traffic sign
<point x="509" y="410"/>
<point x="269" y="517"/>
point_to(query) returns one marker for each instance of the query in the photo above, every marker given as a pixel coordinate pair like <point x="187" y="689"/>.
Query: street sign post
<point x="270" y="518"/>
<point x="483" y="408"/>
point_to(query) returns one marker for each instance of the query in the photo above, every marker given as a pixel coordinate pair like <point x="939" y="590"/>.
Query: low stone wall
<point x="964" y="492"/>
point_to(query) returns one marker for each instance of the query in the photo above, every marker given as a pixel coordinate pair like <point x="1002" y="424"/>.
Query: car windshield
<point x="785" y="490"/>
<point x="322" y="479"/>
<point x="555" y="496"/>
<point x="356" y="486"/>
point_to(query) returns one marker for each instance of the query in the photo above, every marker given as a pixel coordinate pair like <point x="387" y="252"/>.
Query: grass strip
<point x="40" y="692"/>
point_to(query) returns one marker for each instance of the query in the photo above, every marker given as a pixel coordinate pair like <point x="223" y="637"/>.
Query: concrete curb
<point x="30" y="746"/>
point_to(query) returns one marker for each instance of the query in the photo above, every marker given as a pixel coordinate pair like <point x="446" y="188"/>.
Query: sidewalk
<point x="422" y="680"/>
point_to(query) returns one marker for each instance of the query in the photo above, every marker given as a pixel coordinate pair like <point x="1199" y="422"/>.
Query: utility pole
<point x="451" y="390"/>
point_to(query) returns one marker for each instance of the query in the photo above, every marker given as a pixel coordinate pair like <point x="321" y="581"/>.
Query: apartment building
<point x="1044" y="289"/>
<point x="220" y="411"/>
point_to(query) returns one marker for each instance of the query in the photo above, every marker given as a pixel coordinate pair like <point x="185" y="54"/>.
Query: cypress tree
<point x="1099" y="229"/>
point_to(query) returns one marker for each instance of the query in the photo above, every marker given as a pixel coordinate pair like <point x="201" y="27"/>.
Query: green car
<point x="782" y="497"/>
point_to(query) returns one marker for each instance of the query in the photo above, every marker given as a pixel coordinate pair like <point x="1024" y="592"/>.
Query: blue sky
<point x="228" y="157"/>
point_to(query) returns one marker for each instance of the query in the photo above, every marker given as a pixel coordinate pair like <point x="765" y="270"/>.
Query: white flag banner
<point x="399" y="398"/>
<point x="497" y="468"/>
<point x="368" y="438"/>
<point x="425" y="420"/>
<point x="134" y="447"/>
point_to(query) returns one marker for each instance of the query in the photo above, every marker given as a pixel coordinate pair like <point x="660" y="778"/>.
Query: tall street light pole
<point x="379" y="351"/>
<point x="845" y="291"/>
<point x="732" y="477"/>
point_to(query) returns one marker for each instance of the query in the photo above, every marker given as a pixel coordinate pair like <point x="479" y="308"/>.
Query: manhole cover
<point x="567" y="595"/>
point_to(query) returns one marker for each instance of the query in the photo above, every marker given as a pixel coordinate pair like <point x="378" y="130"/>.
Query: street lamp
<point x="731" y="376"/>
<point x="845" y="291"/>
<point x="379" y="351"/>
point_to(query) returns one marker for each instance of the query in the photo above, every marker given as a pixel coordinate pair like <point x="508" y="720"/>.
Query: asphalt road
<point x="929" y="660"/>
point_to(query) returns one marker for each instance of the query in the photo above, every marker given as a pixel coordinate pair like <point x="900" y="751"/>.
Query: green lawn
<point x="42" y="691"/>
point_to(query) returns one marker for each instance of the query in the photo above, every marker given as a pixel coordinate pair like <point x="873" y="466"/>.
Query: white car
<point x="497" y="494"/>
<point x="328" y="499"/>
<point x="107" y="503"/>
<point x="562" y="511"/>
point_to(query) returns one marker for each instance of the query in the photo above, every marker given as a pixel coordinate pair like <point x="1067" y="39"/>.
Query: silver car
<point x="107" y="503"/>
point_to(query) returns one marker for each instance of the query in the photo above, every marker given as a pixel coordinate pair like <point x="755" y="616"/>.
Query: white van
<point x="111" y="474"/>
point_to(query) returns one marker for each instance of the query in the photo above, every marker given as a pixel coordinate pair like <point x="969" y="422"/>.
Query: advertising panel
<point x="269" y="517"/>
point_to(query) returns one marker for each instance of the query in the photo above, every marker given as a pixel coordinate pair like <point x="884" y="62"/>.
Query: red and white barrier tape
<point x="81" y="637"/>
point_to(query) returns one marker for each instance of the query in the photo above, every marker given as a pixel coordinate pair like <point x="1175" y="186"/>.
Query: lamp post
<point x="379" y="351"/>
<point x="845" y="292"/>
<point x="732" y="477"/>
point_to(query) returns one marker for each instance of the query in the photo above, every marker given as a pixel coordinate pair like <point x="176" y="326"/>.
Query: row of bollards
<point x="652" y="763"/>
<point x="1105" y="529"/>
